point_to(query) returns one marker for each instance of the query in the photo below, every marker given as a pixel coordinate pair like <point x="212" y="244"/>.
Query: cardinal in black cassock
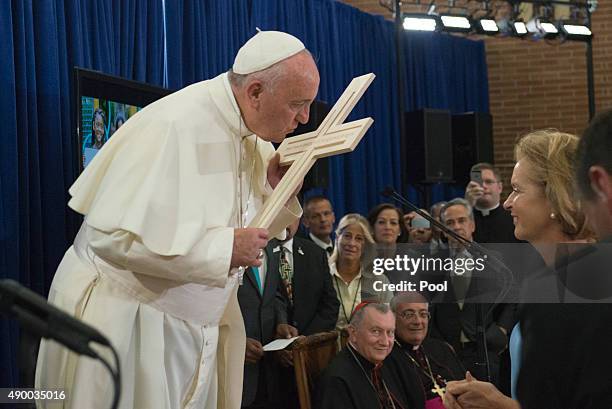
<point x="358" y="378"/>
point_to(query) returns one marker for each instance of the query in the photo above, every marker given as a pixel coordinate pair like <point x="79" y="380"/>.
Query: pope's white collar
<point x="233" y="117"/>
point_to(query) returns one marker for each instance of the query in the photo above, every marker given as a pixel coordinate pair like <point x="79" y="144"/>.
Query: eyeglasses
<point x="410" y="315"/>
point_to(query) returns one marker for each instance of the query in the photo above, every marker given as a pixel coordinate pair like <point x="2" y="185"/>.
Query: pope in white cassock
<point x="154" y="266"/>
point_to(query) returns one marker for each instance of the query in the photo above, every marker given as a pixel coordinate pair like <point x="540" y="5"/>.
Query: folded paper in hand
<point x="278" y="344"/>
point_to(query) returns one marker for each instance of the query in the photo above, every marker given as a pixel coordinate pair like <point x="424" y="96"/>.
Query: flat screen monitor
<point x="103" y="104"/>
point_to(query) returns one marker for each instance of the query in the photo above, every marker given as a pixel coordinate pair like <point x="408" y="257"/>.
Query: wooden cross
<point x="333" y="137"/>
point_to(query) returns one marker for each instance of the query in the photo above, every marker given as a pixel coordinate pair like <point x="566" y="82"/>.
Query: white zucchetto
<point x="265" y="49"/>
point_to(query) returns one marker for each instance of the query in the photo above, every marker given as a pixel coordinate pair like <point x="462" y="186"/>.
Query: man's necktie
<point x="461" y="282"/>
<point x="286" y="274"/>
<point x="460" y="285"/>
<point x="329" y="250"/>
<point x="257" y="279"/>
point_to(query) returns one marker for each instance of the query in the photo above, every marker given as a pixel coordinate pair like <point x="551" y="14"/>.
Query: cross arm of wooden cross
<point x="339" y="139"/>
<point x="333" y="137"/>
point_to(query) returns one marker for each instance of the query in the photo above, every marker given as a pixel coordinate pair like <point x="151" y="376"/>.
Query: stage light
<point x="549" y="28"/>
<point x="542" y="28"/>
<point x="575" y="31"/>
<point x="420" y="22"/>
<point x="487" y="26"/>
<point x="519" y="28"/>
<point x="455" y="23"/>
<point x="544" y="21"/>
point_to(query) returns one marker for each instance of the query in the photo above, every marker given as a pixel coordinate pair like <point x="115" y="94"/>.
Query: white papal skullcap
<point x="265" y="49"/>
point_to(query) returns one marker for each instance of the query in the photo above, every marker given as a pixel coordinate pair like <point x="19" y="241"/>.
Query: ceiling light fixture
<point x="420" y="22"/>
<point x="456" y="23"/>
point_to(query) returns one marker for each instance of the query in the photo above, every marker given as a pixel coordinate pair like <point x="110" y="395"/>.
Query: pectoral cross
<point x="436" y="389"/>
<point x="333" y="137"/>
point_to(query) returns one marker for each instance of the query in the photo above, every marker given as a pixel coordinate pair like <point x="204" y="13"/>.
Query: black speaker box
<point x="428" y="149"/>
<point x="318" y="176"/>
<point x="472" y="142"/>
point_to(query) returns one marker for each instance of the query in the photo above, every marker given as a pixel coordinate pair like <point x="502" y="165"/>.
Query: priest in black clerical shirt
<point x="493" y="223"/>
<point x="434" y="361"/>
<point x="358" y="378"/>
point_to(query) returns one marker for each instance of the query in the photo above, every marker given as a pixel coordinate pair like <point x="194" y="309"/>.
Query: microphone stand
<point x="472" y="246"/>
<point x="47" y="321"/>
<point x="479" y="251"/>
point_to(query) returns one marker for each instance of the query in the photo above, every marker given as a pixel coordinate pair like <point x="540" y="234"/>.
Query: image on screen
<point x="100" y="119"/>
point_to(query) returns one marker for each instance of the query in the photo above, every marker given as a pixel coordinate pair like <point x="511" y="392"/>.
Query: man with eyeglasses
<point x="434" y="361"/>
<point x="358" y="378"/>
<point x="455" y="313"/>
<point x="493" y="223"/>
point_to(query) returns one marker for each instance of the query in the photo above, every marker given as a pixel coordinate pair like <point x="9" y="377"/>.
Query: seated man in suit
<point x="453" y="319"/>
<point x="433" y="360"/>
<point x="357" y="378"/>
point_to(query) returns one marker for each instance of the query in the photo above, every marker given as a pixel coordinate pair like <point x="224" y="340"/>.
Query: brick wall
<point x="535" y="84"/>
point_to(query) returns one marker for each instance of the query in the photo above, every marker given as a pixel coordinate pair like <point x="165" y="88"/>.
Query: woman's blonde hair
<point x="351" y="219"/>
<point x="552" y="157"/>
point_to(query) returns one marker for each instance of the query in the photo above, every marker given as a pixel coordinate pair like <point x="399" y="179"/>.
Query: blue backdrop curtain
<point x="40" y="43"/>
<point x="441" y="71"/>
<point x="203" y="38"/>
<point x="42" y="40"/>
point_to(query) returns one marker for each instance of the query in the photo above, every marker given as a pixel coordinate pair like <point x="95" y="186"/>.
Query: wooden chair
<point x="344" y="336"/>
<point x="311" y="355"/>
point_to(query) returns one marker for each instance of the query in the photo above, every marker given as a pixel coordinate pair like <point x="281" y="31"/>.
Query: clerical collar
<point x="233" y="118"/>
<point x="407" y="345"/>
<point x="320" y="242"/>
<point x="367" y="365"/>
<point x="486" y="212"/>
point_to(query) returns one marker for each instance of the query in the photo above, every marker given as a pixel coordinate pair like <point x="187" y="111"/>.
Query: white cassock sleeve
<point x="291" y="211"/>
<point x="208" y="262"/>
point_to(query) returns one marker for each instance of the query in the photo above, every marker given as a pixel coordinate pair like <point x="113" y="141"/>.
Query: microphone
<point x="42" y="318"/>
<point x="393" y="194"/>
<point x="47" y="321"/>
<point x="472" y="246"/>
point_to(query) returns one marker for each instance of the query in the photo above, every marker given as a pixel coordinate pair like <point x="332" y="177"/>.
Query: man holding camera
<point x="493" y="223"/>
